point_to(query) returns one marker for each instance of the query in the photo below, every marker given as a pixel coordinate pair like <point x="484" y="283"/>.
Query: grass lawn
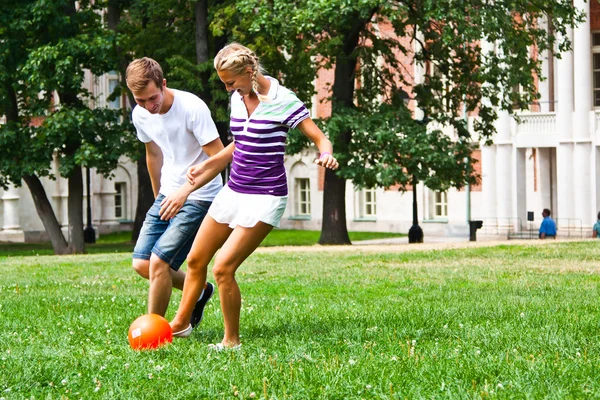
<point x="121" y="242"/>
<point x="513" y="321"/>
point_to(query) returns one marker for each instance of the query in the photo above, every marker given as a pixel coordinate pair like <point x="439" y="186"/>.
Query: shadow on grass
<point x="120" y="242"/>
<point x="45" y="249"/>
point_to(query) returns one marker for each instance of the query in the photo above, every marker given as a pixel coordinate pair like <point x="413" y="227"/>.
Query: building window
<point x="113" y="83"/>
<point x="120" y="200"/>
<point x="596" y="67"/>
<point x="440" y="205"/>
<point x="368" y="203"/>
<point x="302" y="196"/>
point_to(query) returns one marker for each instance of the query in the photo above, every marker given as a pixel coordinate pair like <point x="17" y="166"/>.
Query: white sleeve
<point x="200" y="123"/>
<point x="138" y="128"/>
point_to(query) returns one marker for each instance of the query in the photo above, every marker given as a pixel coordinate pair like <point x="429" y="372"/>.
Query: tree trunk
<point x="201" y="11"/>
<point x="76" y="242"/>
<point x="334" y="229"/>
<point x="12" y="106"/>
<point x="145" y="194"/>
<point x="46" y="214"/>
<point x="38" y="193"/>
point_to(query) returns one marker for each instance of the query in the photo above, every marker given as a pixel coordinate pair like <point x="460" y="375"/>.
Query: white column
<point x="564" y="127"/>
<point x="544" y="176"/>
<point x="544" y="84"/>
<point x="564" y="182"/>
<point x="106" y="212"/>
<point x="596" y="162"/>
<point x="582" y="74"/>
<point x="11" y="228"/>
<point x="582" y="172"/>
<point x="582" y="114"/>
<point x="10" y="202"/>
<point x="520" y="189"/>
<point x="504" y="168"/>
<point x="488" y="181"/>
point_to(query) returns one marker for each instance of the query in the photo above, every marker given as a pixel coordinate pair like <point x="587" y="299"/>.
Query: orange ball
<point x="149" y="332"/>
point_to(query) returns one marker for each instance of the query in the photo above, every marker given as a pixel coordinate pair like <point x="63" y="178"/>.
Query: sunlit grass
<point x="507" y="322"/>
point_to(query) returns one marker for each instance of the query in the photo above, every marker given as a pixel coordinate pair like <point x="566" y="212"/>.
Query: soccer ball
<point x="149" y="332"/>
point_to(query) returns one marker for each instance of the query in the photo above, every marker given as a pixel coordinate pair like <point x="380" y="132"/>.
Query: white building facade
<point x="550" y="158"/>
<point x="113" y="201"/>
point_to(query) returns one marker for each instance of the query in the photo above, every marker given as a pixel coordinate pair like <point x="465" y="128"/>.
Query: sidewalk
<point x="404" y="240"/>
<point x="398" y="245"/>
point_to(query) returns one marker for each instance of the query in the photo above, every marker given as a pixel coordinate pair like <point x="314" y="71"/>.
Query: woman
<point x="254" y="199"/>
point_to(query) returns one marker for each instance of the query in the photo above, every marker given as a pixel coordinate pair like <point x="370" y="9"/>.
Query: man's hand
<point x="171" y="204"/>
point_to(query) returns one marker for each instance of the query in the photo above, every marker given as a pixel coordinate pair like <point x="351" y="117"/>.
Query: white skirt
<point x="246" y="210"/>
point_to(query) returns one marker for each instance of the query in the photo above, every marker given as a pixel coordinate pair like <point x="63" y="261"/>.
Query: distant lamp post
<point x="89" y="235"/>
<point x="415" y="233"/>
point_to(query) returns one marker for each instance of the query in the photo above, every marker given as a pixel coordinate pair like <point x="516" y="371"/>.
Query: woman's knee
<point x="196" y="262"/>
<point x="223" y="272"/>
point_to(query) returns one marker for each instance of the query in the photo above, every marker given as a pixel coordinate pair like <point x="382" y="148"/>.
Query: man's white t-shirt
<point x="180" y="133"/>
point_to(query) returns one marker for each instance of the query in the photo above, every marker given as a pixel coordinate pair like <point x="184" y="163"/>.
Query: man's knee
<point x="159" y="268"/>
<point x="141" y="267"/>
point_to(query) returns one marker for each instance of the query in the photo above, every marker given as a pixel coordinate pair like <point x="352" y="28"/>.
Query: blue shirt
<point x="597" y="229"/>
<point x="548" y="227"/>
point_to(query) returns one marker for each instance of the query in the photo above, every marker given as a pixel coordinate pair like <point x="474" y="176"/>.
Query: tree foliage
<point x="379" y="44"/>
<point x="45" y="48"/>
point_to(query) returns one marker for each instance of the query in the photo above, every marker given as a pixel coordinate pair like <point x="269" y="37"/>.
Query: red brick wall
<point x="324" y="82"/>
<point x="476" y="167"/>
<point x="594" y="15"/>
<point x="325" y="77"/>
<point x="37" y="121"/>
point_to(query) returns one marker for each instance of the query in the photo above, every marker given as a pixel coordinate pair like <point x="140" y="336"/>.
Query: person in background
<point x="548" y="226"/>
<point x="596" y="228"/>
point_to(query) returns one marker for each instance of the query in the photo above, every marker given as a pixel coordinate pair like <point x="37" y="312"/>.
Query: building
<point x="113" y="200"/>
<point x="549" y="159"/>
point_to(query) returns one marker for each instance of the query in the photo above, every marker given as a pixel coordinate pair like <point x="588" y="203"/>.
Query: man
<point x="596" y="228"/>
<point x="548" y="226"/>
<point x="178" y="132"/>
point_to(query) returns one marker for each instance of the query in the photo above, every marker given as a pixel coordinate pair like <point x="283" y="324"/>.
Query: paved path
<point x="394" y="245"/>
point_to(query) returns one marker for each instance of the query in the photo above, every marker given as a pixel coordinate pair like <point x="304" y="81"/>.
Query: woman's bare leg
<point x="241" y="243"/>
<point x="209" y="239"/>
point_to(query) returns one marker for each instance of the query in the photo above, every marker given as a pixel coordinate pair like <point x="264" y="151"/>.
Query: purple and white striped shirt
<point x="257" y="166"/>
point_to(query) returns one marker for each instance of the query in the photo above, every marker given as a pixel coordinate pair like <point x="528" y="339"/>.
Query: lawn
<point x="121" y="242"/>
<point x="512" y="321"/>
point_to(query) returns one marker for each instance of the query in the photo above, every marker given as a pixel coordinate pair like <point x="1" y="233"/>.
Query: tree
<point x="445" y="35"/>
<point x="45" y="48"/>
<point x="175" y="34"/>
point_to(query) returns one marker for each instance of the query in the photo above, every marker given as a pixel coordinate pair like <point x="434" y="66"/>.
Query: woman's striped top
<point x="257" y="166"/>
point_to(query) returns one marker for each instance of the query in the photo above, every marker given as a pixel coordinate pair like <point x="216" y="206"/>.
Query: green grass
<point x="121" y="242"/>
<point x="288" y="237"/>
<point x="505" y="322"/>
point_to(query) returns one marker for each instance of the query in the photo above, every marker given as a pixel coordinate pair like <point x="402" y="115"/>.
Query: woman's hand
<point x="328" y="161"/>
<point x="194" y="172"/>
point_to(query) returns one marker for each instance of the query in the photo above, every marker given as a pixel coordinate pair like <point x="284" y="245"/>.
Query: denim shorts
<point x="170" y="240"/>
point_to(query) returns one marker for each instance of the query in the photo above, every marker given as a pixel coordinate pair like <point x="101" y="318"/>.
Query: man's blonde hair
<point x="235" y="58"/>
<point x="141" y="72"/>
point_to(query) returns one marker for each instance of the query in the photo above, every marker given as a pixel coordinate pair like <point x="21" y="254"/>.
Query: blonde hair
<point x="235" y="58"/>
<point x="141" y="72"/>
